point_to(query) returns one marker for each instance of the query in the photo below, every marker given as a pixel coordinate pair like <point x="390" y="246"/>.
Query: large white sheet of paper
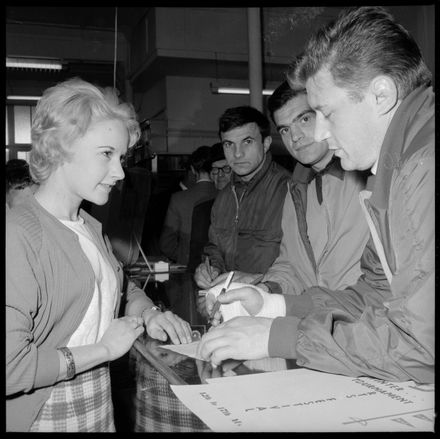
<point x="302" y="400"/>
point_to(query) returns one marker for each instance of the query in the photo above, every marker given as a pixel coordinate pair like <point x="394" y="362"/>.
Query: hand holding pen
<point x="205" y="274"/>
<point x="217" y="304"/>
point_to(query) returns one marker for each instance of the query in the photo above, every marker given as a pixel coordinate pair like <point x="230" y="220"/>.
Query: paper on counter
<point x="302" y="400"/>
<point x="188" y="349"/>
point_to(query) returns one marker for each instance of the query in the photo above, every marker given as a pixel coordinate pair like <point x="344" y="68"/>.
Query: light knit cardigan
<point x="49" y="286"/>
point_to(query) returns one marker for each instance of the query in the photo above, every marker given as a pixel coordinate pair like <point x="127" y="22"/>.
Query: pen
<point x="257" y="280"/>
<point x="217" y="304"/>
<point x="208" y="266"/>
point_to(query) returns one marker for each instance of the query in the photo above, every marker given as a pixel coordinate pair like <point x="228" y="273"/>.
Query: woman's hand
<point x="120" y="335"/>
<point x="160" y="325"/>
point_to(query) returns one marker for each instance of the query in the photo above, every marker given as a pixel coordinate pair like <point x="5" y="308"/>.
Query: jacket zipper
<point x="237" y="203"/>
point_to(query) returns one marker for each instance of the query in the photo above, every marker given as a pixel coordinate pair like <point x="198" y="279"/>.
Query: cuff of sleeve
<point x="48" y="368"/>
<point x="298" y="306"/>
<point x="274" y="306"/>
<point x="274" y="287"/>
<point x="283" y="336"/>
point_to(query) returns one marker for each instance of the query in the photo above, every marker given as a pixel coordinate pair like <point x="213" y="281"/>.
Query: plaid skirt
<point x="83" y="404"/>
<point x="157" y="408"/>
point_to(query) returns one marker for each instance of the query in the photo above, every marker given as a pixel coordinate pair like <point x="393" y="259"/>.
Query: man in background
<point x="175" y="237"/>
<point x="201" y="218"/>
<point x="324" y="230"/>
<point x="245" y="231"/>
<point x="220" y="170"/>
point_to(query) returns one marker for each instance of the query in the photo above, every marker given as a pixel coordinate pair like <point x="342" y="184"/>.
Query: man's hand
<point x="159" y="324"/>
<point x="242" y="338"/>
<point x="206" y="371"/>
<point x="249" y="297"/>
<point x="205" y="276"/>
<point x="201" y="307"/>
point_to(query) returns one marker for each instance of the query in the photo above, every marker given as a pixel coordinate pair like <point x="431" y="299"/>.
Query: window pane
<point x="24" y="155"/>
<point x="22" y="116"/>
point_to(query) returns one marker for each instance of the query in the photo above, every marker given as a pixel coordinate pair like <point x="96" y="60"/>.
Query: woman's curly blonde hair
<point x="64" y="114"/>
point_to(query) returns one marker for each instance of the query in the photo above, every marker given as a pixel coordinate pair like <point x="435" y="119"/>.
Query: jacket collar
<point x="305" y="174"/>
<point x="413" y="112"/>
<point x="236" y="180"/>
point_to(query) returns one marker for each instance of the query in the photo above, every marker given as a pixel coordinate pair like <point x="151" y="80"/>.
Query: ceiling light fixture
<point x="33" y="63"/>
<point x="22" y="98"/>
<point x="237" y="90"/>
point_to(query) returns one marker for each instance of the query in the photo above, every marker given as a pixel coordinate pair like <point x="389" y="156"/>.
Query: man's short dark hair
<point x="217" y="152"/>
<point x="282" y="94"/>
<point x="200" y="159"/>
<point x="362" y="43"/>
<point x="239" y="116"/>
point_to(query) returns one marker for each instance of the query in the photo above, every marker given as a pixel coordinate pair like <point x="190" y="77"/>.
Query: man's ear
<point x="385" y="93"/>
<point x="266" y="143"/>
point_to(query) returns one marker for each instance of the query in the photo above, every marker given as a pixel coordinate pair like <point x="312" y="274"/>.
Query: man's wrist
<point x="274" y="305"/>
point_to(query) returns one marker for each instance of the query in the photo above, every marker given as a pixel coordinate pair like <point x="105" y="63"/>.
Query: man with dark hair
<point x="370" y="88"/>
<point x="245" y="231"/>
<point x="175" y="237"/>
<point x="324" y="231"/>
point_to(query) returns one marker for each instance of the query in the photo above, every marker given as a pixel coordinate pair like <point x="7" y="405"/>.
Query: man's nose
<point x="296" y="134"/>
<point x="321" y="129"/>
<point x="238" y="151"/>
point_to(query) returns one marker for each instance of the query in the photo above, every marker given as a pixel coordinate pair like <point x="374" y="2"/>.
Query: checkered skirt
<point x="157" y="409"/>
<point x="83" y="404"/>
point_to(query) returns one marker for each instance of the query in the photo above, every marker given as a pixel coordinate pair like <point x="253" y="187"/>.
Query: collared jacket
<point x="365" y="330"/>
<point x="323" y="243"/>
<point x="245" y="231"/>
<point x="49" y="286"/>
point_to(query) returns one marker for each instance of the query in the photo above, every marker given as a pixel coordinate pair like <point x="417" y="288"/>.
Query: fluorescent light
<point x="23" y="98"/>
<point x="237" y="91"/>
<point x="33" y="63"/>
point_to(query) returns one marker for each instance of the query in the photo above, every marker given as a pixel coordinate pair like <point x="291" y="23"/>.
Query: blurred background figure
<point x="221" y="171"/>
<point x="188" y="180"/>
<point x="19" y="184"/>
<point x="175" y="237"/>
<point x="201" y="218"/>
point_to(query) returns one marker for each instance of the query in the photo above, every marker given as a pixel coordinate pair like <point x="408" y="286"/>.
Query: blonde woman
<point x="63" y="284"/>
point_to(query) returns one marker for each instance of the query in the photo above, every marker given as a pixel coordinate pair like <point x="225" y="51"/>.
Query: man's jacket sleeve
<point x="364" y="330"/>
